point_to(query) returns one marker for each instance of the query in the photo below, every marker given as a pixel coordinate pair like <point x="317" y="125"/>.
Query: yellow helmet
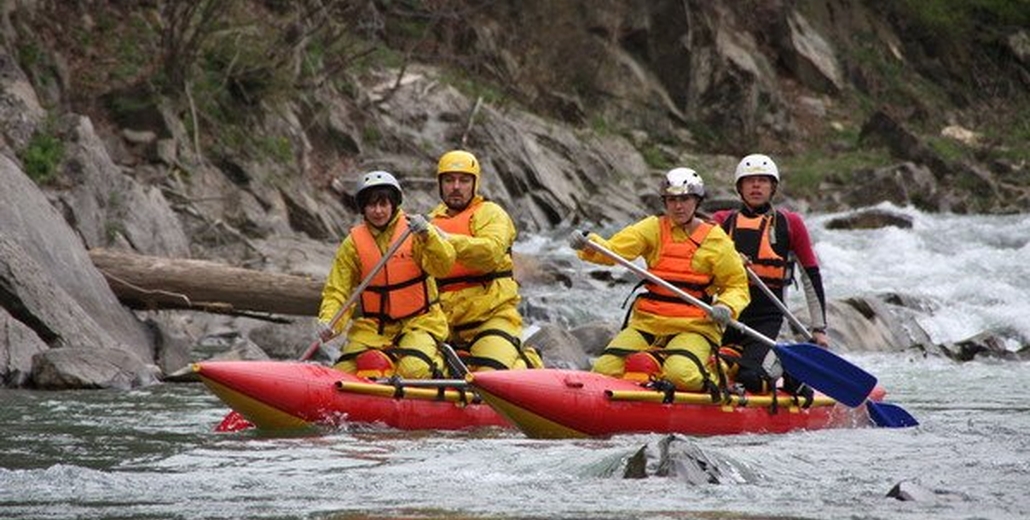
<point x="458" y="161"/>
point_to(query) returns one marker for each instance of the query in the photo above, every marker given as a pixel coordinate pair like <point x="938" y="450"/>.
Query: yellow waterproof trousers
<point x="681" y="370"/>
<point x="408" y="366"/>
<point x="492" y="347"/>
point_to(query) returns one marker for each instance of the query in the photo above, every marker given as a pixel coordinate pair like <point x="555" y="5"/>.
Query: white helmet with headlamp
<point x="683" y="181"/>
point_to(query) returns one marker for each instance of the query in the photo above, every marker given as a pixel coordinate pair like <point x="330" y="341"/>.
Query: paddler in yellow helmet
<point x="397" y="323"/>
<point x="697" y="257"/>
<point x="479" y="295"/>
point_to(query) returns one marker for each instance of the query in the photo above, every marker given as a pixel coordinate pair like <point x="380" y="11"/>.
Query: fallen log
<point x="151" y="283"/>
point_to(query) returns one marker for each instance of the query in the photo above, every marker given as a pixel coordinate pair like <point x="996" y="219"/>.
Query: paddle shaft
<point x="454" y="361"/>
<point x="779" y="304"/>
<point x="356" y="293"/>
<point x="676" y="290"/>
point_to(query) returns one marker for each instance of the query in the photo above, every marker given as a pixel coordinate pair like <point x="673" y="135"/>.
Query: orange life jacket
<point x="462" y="276"/>
<point x="751" y="236"/>
<point x="399" y="290"/>
<point x="674" y="265"/>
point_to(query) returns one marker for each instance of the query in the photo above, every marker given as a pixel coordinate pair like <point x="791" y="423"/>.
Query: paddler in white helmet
<point x="397" y="324"/>
<point x="771" y="241"/>
<point x="697" y="257"/>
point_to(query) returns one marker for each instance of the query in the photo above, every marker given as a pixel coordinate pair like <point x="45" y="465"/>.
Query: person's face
<point x="756" y="190"/>
<point x="680" y="208"/>
<point x="378" y="211"/>
<point x="457" y="189"/>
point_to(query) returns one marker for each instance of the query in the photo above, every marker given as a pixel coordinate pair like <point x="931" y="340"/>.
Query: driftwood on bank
<point x="150" y="282"/>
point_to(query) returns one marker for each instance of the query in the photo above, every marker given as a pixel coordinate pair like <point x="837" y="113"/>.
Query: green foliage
<point x="113" y="229"/>
<point x="966" y="19"/>
<point x="600" y="124"/>
<point x="1009" y="138"/>
<point x="949" y="149"/>
<point x="803" y="173"/>
<point x="276" y="148"/>
<point x="371" y="135"/>
<point x="30" y="55"/>
<point x="474" y="88"/>
<point x="37" y="64"/>
<point x="133" y="51"/>
<point x="889" y="78"/>
<point x="655" y="157"/>
<point x="42" y="156"/>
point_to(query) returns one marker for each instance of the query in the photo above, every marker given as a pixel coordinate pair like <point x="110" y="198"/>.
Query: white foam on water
<point x="972" y="268"/>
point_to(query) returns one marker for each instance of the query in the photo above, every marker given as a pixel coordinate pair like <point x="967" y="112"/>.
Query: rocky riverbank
<point x="90" y="159"/>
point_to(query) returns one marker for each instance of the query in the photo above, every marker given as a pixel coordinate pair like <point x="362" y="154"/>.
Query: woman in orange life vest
<point x="398" y="320"/>
<point x="769" y="240"/>
<point x="697" y="257"/>
<point x="479" y="296"/>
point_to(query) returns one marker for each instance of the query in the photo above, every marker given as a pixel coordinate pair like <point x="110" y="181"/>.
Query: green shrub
<point x="42" y="156"/>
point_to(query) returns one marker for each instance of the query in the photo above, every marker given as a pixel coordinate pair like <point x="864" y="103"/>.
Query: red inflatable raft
<point x="551" y="404"/>
<point x="286" y="395"/>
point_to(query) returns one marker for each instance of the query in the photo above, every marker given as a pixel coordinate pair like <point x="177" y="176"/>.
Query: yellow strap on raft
<point x="407" y="392"/>
<point x="752" y="401"/>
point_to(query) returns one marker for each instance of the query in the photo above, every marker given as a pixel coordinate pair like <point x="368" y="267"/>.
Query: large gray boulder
<point x="20" y="110"/>
<point x="48" y="280"/>
<point x="18" y="343"/>
<point x="107" y="207"/>
<point x="89" y="367"/>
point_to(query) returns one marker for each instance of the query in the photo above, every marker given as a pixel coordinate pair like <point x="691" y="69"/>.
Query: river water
<point x="151" y="453"/>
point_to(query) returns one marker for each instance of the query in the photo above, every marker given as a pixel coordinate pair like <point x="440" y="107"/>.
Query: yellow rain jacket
<point x="435" y="255"/>
<point x="486" y="250"/>
<point x="715" y="256"/>
<point x="480" y="296"/>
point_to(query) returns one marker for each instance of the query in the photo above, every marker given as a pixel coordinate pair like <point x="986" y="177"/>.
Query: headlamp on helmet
<point x="757" y="164"/>
<point x="683" y="181"/>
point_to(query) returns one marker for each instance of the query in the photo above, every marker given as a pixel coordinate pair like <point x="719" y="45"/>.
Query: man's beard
<point x="453" y="206"/>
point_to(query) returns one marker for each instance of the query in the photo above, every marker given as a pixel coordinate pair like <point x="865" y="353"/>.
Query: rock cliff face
<point x="574" y="108"/>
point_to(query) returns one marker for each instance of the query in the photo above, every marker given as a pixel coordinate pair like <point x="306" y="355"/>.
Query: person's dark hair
<point x="377" y="194"/>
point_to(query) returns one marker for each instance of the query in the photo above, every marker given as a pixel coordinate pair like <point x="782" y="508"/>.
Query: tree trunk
<point x="150" y="282"/>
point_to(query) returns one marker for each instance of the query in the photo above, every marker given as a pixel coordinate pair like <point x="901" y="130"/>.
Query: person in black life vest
<point x="770" y="240"/>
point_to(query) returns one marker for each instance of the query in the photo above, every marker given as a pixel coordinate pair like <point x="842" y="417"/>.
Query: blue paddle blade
<point x="826" y="372"/>
<point x="890" y="415"/>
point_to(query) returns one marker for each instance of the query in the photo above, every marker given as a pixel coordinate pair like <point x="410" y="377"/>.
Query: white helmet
<point x="683" y="181"/>
<point x="757" y="164"/>
<point x="378" y="179"/>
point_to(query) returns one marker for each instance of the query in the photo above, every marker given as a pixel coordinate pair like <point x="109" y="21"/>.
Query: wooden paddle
<point x="234" y="421"/>
<point x="816" y="366"/>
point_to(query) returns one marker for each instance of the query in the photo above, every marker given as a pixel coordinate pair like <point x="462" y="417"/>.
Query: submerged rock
<point x="677" y="457"/>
